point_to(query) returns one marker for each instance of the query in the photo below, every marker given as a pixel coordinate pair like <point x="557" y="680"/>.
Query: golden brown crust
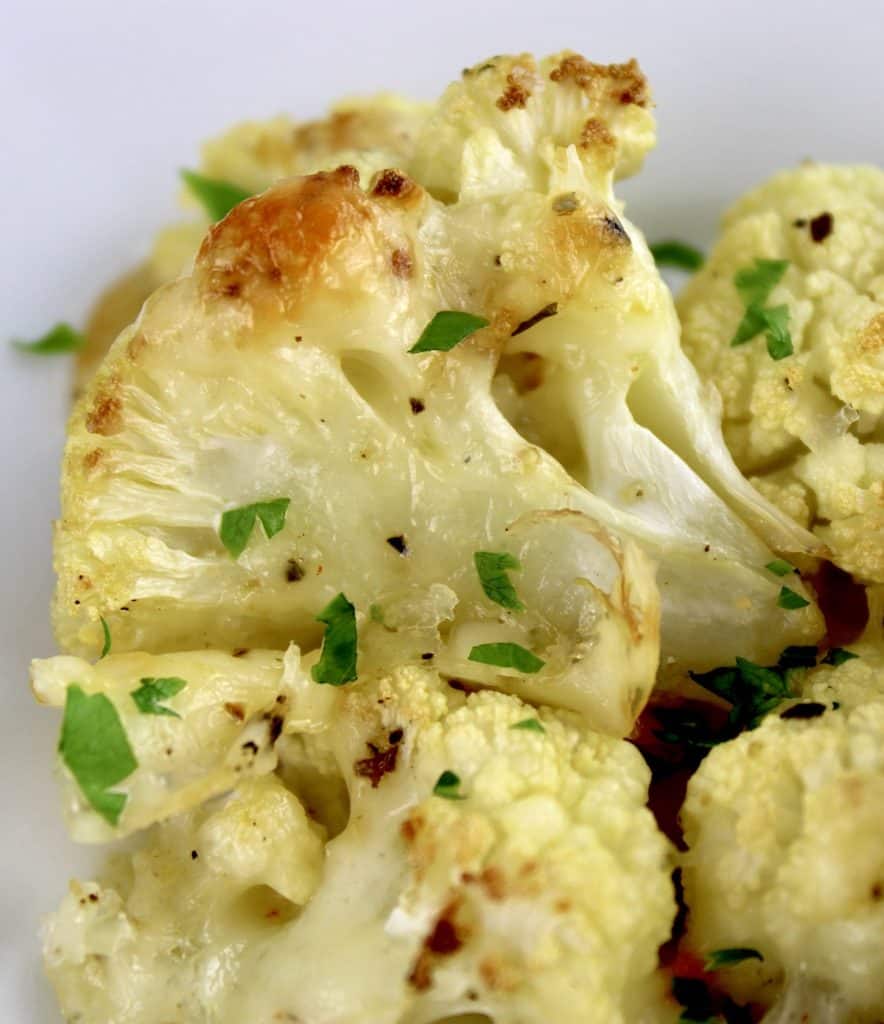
<point x="624" y="83"/>
<point x="271" y="250"/>
<point x="871" y="338"/>
<point x="105" y="413"/>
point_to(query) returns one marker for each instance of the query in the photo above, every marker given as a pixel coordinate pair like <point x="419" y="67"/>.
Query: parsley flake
<point x="448" y="786"/>
<point x="751" y="689"/>
<point x="106" y="646"/>
<point x="728" y="957"/>
<point x="529" y="725"/>
<point x="237" y="523"/>
<point x="492" y="568"/>
<point x="217" y="197"/>
<point x="755" y="284"/>
<point x="791" y="601"/>
<point x="837" y="656"/>
<point x="60" y="338"/>
<point x="507" y="656"/>
<point x="672" y="253"/>
<point x="779" y="567"/>
<point x="447" y="329"/>
<point x="152" y="690"/>
<point x="337" y="662"/>
<point x="94" y="746"/>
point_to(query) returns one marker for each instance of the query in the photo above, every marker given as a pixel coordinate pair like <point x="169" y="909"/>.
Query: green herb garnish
<point x="152" y="690"/>
<point x="237" y="523"/>
<point x="492" y="568"/>
<point x="446" y="330"/>
<point x="755" y="284"/>
<point x="529" y="725"/>
<point x="751" y="689"/>
<point x="671" y="253"/>
<point x="337" y="662"/>
<point x="728" y="957"/>
<point x="779" y="567"/>
<point x="448" y="786"/>
<point x="507" y="656"/>
<point x="94" y="746"/>
<point x="217" y="197"/>
<point x="837" y="656"/>
<point x="106" y="646"/>
<point x="61" y="338"/>
<point x="791" y="601"/>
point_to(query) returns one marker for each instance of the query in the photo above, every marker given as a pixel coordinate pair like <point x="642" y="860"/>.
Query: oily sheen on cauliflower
<point x="281" y="371"/>
<point x="809" y="427"/>
<point x="502" y="894"/>
<point x="368" y="134"/>
<point x="786" y="850"/>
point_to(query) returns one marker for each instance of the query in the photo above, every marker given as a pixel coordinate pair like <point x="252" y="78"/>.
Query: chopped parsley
<point x="672" y="253"/>
<point x="751" y="689"/>
<point x="728" y="957"/>
<point x="791" y="601"/>
<point x="446" y="330"/>
<point x="448" y="786"/>
<point x="507" y="656"/>
<point x="217" y="197"/>
<point x="337" y="662"/>
<point x="755" y="284"/>
<point x="152" y="690"/>
<point x="492" y="568"/>
<point x="237" y="523"/>
<point x="106" y="646"/>
<point x="779" y="567"/>
<point x="837" y="656"/>
<point x="60" y="338"/>
<point x="94" y="746"/>
<point x="529" y="725"/>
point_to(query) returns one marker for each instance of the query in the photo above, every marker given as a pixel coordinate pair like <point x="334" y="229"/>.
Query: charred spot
<point x="348" y="174"/>
<point x="91" y="459"/>
<point x="417" y="405"/>
<point x="398" y="544"/>
<point x="810" y="709"/>
<point x="459" y="684"/>
<point x="595" y="134"/>
<point x="232" y="289"/>
<point x="801" y="222"/>
<point x="240" y="652"/>
<point x="104" y="416"/>
<point x="516" y="93"/>
<point x="93" y="897"/>
<point x="396" y="736"/>
<point x="235" y="710"/>
<point x="821" y="227"/>
<point x="275" y="729"/>
<point x="542" y="314"/>
<point x="446" y="937"/>
<point x="615" y="228"/>
<point x="402" y="263"/>
<point x="392" y="183"/>
<point x="194" y="855"/>
<point x="294" y="571"/>
<point x="250" y="746"/>
<point x="379" y="763"/>
<point x="876" y="892"/>
<point x="427" y="656"/>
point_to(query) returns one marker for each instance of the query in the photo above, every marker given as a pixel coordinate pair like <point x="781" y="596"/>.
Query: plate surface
<point x="104" y="101"/>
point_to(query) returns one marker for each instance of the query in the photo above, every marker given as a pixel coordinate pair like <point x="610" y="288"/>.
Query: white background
<point x="102" y="101"/>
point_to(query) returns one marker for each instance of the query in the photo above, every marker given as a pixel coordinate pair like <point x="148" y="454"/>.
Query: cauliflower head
<point x="367" y="133"/>
<point x="786" y="849"/>
<point x="493" y="857"/>
<point x="810" y="426"/>
<point x="281" y="373"/>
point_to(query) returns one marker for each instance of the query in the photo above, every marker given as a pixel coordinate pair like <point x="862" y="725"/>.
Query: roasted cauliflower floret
<point x="810" y="426"/>
<point x="786" y="849"/>
<point x="280" y="376"/>
<point x="494" y="856"/>
<point x="368" y="134"/>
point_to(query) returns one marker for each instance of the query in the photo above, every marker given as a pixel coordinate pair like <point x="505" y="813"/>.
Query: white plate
<point x="103" y="101"/>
